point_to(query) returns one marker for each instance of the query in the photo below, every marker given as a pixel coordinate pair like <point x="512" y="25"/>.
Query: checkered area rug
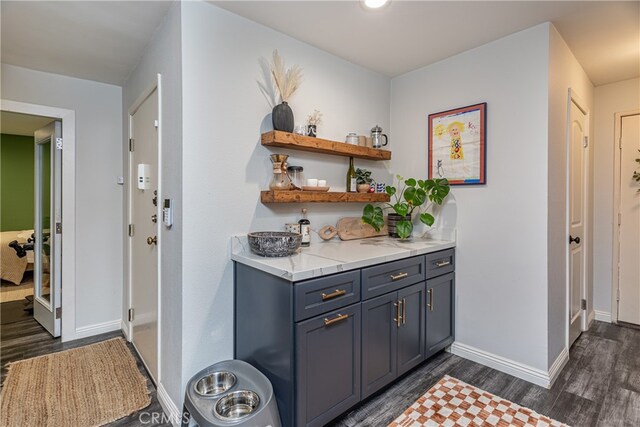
<point x="453" y="403"/>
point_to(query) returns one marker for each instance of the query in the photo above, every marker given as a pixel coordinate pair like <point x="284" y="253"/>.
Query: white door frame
<point x="68" y="118"/>
<point x="128" y="329"/>
<point x="615" y="285"/>
<point x="574" y="98"/>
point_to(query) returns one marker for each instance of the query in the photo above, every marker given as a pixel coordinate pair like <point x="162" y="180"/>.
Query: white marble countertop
<point x="323" y="258"/>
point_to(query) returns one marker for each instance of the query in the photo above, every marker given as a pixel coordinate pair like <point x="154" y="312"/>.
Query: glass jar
<point x="297" y="177"/>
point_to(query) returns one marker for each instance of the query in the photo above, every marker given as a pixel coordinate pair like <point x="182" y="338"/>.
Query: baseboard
<point x="602" y="316"/>
<point x="591" y="318"/>
<point x="125" y="329"/>
<point x="169" y="407"/>
<point x="502" y="364"/>
<point x="97" y="329"/>
<point x="558" y="365"/>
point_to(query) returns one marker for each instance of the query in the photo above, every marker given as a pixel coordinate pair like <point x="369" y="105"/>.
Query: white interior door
<point x="629" y="231"/>
<point x="577" y="193"/>
<point x="48" y="227"/>
<point x="144" y="216"/>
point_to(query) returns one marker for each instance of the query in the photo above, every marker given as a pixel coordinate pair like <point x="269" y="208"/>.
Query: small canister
<point x="352" y="138"/>
<point x="292" y="228"/>
<point x="296" y="176"/>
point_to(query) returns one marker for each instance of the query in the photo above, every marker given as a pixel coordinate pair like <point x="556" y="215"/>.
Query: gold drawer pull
<point x="430" y="303"/>
<point x="337" y="293"/>
<point x="338" y="318"/>
<point x="399" y="276"/>
<point x="398" y="317"/>
<point x="404" y="311"/>
<point x="443" y="263"/>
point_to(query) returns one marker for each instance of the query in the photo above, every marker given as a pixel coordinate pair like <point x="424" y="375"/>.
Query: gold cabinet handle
<point x="398" y="276"/>
<point x="152" y="240"/>
<point x="404" y="311"/>
<point x="398" y="317"/>
<point x="337" y="293"/>
<point x="338" y="318"/>
<point x="430" y="303"/>
<point x="443" y="262"/>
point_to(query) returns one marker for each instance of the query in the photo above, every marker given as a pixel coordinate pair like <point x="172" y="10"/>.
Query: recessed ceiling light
<point x="375" y="4"/>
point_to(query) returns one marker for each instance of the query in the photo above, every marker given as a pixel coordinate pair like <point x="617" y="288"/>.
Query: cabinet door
<point x="411" y="333"/>
<point x="379" y="342"/>
<point x="440" y="320"/>
<point x="327" y="365"/>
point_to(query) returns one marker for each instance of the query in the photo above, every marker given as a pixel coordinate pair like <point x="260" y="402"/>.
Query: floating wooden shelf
<point x="320" y="197"/>
<point x="294" y="141"/>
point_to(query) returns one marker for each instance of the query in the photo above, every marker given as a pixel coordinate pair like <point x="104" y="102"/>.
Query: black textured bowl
<point x="274" y="243"/>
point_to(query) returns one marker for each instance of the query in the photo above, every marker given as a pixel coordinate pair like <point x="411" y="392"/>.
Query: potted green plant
<point x="416" y="195"/>
<point x="363" y="180"/>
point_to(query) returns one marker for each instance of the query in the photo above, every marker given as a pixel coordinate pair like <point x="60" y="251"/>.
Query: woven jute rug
<point x="454" y="403"/>
<point x="82" y="387"/>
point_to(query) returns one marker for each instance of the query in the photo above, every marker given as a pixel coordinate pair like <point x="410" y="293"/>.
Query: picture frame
<point x="458" y="145"/>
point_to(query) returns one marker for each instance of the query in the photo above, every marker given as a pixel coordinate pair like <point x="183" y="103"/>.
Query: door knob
<point x="152" y="240"/>
<point x="574" y="239"/>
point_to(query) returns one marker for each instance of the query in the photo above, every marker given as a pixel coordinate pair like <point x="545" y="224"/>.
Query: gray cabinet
<point x="328" y="366"/>
<point x="329" y="342"/>
<point x="393" y="336"/>
<point x="440" y="313"/>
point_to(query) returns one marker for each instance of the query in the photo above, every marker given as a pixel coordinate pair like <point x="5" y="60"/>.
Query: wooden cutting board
<point x="351" y="228"/>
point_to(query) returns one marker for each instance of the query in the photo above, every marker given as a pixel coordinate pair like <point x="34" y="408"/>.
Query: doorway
<point x="578" y="142"/>
<point x="144" y="219"/>
<point x="626" y="274"/>
<point x="31" y="156"/>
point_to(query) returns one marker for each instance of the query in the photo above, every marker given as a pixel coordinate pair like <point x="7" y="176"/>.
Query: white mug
<point x="312" y="182"/>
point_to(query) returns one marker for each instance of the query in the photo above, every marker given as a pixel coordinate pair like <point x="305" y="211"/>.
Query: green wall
<point x="16" y="182"/>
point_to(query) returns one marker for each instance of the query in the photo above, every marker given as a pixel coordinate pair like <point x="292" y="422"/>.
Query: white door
<point x="629" y="237"/>
<point x="48" y="227"/>
<point x="577" y="258"/>
<point x="144" y="216"/>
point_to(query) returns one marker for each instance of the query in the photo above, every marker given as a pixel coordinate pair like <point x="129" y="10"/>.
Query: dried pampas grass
<point x="286" y="81"/>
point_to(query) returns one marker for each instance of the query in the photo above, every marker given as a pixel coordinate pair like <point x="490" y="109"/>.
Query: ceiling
<point x="103" y="40"/>
<point x="21" y="124"/>
<point x="95" y="40"/>
<point x="406" y="35"/>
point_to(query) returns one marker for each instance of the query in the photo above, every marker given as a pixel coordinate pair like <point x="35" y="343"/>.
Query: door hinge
<point x="618" y="295"/>
<point x="619" y="218"/>
<point x="58" y="228"/>
<point x="583" y="304"/>
<point x="620" y="143"/>
<point x="58" y="143"/>
<point x="58" y="312"/>
<point x="131" y="230"/>
<point x="132" y="144"/>
<point x="131" y="315"/>
<point x="155" y="124"/>
<point x="585" y="142"/>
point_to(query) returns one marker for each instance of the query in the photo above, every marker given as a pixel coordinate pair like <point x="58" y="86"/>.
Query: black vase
<point x="282" y="117"/>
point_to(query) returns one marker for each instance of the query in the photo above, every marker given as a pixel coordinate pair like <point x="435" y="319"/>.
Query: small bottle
<point x="305" y="229"/>
<point x="351" y="177"/>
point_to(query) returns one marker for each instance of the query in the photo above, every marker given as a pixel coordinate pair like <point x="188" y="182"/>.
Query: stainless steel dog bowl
<point x="215" y="383"/>
<point x="274" y="243"/>
<point x="237" y="405"/>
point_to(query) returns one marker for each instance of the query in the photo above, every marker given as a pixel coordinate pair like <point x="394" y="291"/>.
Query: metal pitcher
<point x="376" y="137"/>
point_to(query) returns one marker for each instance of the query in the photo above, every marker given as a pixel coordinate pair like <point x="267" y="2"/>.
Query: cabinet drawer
<point x="441" y="262"/>
<point x="380" y="279"/>
<point x="317" y="296"/>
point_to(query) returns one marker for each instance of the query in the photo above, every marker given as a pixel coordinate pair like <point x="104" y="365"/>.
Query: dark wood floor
<point x="25" y="339"/>
<point x="600" y="386"/>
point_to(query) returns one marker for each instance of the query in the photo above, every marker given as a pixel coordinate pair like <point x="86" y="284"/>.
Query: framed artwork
<point x="457" y="145"/>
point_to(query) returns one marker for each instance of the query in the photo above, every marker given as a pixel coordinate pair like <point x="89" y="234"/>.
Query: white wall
<point x="609" y="99"/>
<point x="225" y="167"/>
<point x="163" y="56"/>
<point x="98" y="197"/>
<point x="564" y="72"/>
<point x="501" y="255"/>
